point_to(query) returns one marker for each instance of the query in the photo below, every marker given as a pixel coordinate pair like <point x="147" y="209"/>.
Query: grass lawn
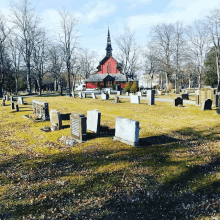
<point x="174" y="174"/>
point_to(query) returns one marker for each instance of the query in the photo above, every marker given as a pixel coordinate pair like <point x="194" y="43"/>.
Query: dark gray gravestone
<point x="207" y="104"/>
<point x="3" y="102"/>
<point x="185" y="96"/>
<point x="12" y="105"/>
<point x="78" y="127"/>
<point x="16" y="108"/>
<point x="197" y="100"/>
<point x="178" y="101"/>
<point x="216" y="100"/>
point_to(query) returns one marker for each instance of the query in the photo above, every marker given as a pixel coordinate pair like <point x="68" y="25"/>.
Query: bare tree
<point x="68" y="39"/>
<point x="55" y="61"/>
<point x="4" y="33"/>
<point x="151" y="61"/>
<point x="163" y="36"/>
<point x="26" y="22"/>
<point x="199" y="44"/>
<point x="128" y="52"/>
<point x="213" y="26"/>
<point x="179" y="50"/>
<point x="40" y="57"/>
<point x="87" y="62"/>
<point x="16" y="58"/>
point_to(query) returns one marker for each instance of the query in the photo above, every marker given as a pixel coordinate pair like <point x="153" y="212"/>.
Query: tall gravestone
<point x="84" y="95"/>
<point x="12" y="105"/>
<point x="55" y="120"/>
<point x="197" y="100"/>
<point x="78" y="127"/>
<point x="94" y="120"/>
<point x="135" y="99"/>
<point x="6" y="98"/>
<point x="20" y="100"/>
<point x="150" y="96"/>
<point x="207" y="104"/>
<point x="73" y="94"/>
<point x="216" y="99"/>
<point x="94" y="96"/>
<point x="16" y="108"/>
<point x="178" y="101"/>
<point x="80" y="94"/>
<point x="127" y="131"/>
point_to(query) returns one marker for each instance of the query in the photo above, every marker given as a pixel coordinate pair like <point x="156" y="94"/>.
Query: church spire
<point x="109" y="46"/>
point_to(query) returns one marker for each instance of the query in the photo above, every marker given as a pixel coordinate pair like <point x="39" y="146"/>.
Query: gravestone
<point x="108" y="90"/>
<point x="12" y="105"/>
<point x="78" y="127"/>
<point x="116" y="99"/>
<point x="94" y="96"/>
<point x="118" y="92"/>
<point x="20" y="100"/>
<point x="80" y="94"/>
<point x="207" y="104"/>
<point x="16" y="108"/>
<point x="3" y="102"/>
<point x="12" y="99"/>
<point x="150" y="96"/>
<point x="178" y="101"/>
<point x="159" y="92"/>
<point x="127" y="93"/>
<point x="105" y="96"/>
<point x="84" y="95"/>
<point x="41" y="109"/>
<point x="73" y="94"/>
<point x="55" y="120"/>
<point x="6" y="98"/>
<point x="185" y="96"/>
<point x="135" y="99"/>
<point x="197" y="100"/>
<point x="216" y="100"/>
<point x="127" y="131"/>
<point x="93" y="121"/>
<point x="139" y="93"/>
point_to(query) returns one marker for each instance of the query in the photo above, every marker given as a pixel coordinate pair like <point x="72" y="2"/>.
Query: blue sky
<point x="139" y="15"/>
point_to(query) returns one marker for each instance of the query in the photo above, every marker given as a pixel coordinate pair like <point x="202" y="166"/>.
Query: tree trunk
<point x="39" y="83"/>
<point x="16" y="85"/>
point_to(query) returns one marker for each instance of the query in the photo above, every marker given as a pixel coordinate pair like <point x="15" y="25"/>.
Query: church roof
<point x="101" y="77"/>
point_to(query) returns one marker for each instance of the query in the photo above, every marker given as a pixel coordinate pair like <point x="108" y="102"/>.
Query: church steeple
<point x="109" y="46"/>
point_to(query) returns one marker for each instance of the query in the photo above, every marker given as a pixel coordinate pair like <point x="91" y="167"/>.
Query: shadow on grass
<point x="162" y="139"/>
<point x="90" y="184"/>
<point x="105" y="131"/>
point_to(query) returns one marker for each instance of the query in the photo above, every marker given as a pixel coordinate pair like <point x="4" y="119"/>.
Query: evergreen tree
<point x="127" y="87"/>
<point x="134" y="87"/>
<point x="210" y="74"/>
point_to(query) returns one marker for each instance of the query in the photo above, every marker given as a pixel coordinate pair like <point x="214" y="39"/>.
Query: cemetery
<point x="110" y="152"/>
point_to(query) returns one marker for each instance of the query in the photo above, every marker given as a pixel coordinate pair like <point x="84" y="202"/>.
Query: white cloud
<point x="178" y="10"/>
<point x="101" y="9"/>
<point x="135" y="3"/>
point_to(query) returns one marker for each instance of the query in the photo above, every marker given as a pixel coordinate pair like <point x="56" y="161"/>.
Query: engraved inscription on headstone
<point x="78" y="127"/>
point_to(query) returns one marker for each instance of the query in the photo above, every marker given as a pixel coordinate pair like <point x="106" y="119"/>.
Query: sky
<point x="96" y="15"/>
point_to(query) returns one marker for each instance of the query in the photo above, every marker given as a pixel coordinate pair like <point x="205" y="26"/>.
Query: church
<point x="109" y="72"/>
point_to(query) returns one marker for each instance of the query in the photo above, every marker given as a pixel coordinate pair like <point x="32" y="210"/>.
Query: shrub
<point x="127" y="87"/>
<point x="134" y="87"/>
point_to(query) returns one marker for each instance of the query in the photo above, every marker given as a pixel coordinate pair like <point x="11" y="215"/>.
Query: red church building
<point x="109" y="72"/>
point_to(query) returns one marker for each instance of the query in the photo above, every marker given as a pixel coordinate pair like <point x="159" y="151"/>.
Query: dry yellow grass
<point x="179" y="154"/>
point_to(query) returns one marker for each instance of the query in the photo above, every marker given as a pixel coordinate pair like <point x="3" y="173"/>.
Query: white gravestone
<point x="93" y="121"/>
<point x="139" y="93"/>
<point x="80" y="94"/>
<point x="127" y="93"/>
<point x="20" y="100"/>
<point x="55" y="120"/>
<point x="135" y="99"/>
<point x="118" y="92"/>
<point x="73" y="94"/>
<point x="108" y="90"/>
<point x="94" y="96"/>
<point x="84" y="95"/>
<point x="105" y="96"/>
<point x="127" y="131"/>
